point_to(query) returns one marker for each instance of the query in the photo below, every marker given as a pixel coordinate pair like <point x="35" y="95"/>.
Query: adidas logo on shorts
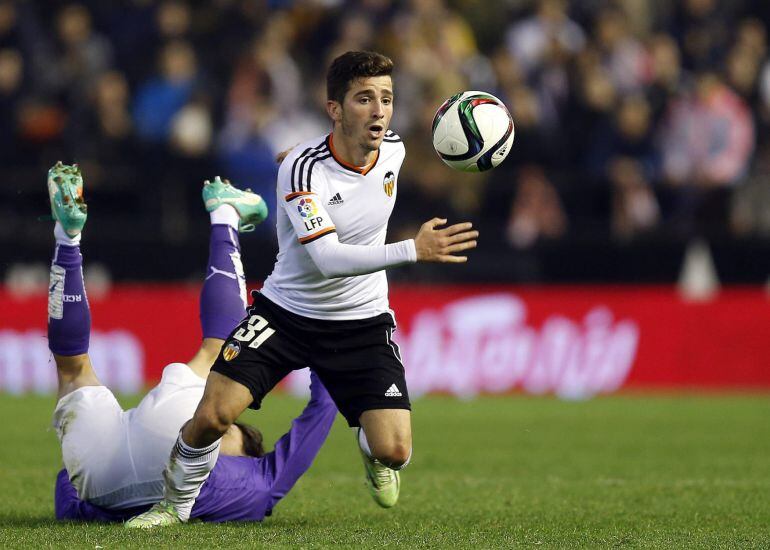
<point x="393" y="391"/>
<point x="336" y="199"/>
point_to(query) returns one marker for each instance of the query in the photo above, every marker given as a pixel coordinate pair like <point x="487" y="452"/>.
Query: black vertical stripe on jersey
<point x="294" y="169"/>
<point x="310" y="167"/>
<point x="308" y="161"/>
<point x="297" y="161"/>
<point x="306" y="158"/>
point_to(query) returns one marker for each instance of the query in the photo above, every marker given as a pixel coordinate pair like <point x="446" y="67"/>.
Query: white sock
<point x="63" y="238"/>
<point x="363" y="443"/>
<point x="225" y="215"/>
<point x="188" y="468"/>
<point x="405" y="464"/>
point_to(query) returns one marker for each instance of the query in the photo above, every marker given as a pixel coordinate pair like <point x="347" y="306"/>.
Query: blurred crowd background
<point x="641" y="126"/>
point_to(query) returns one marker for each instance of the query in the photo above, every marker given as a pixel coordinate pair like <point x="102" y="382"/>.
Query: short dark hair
<point x="352" y="65"/>
<point x="252" y="440"/>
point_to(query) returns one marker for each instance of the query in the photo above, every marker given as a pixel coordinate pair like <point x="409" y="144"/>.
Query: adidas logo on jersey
<point x="336" y="199"/>
<point x="393" y="391"/>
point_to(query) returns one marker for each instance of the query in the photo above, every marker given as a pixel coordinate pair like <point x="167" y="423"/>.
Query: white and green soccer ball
<point x="472" y="131"/>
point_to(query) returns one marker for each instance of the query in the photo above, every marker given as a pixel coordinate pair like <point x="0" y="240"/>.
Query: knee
<point x="74" y="372"/>
<point x="394" y="454"/>
<point x="209" y="423"/>
<point x="72" y="367"/>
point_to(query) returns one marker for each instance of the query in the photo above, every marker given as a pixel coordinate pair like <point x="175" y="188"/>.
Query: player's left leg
<point x="387" y="433"/>
<point x="69" y="317"/>
<point x="85" y="407"/>
<point x="385" y="441"/>
<point x="360" y="365"/>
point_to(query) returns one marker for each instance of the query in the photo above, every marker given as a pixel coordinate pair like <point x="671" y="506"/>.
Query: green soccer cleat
<point x="384" y="483"/>
<point x="250" y="206"/>
<point x="161" y="514"/>
<point x="65" y="190"/>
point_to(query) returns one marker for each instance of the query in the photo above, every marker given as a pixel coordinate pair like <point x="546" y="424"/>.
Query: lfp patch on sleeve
<point x="309" y="217"/>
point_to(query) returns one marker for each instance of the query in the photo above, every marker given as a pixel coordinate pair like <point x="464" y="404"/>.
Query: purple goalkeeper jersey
<point x="239" y="488"/>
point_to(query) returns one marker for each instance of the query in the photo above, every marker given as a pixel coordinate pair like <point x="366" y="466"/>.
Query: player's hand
<point x="442" y="245"/>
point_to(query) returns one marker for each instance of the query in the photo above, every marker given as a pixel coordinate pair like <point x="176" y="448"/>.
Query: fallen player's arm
<point x="296" y="450"/>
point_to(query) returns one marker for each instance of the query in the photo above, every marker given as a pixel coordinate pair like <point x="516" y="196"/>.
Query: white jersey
<point x="322" y="197"/>
<point x="115" y="458"/>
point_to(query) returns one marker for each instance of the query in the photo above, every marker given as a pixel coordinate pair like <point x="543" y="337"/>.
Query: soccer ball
<point x="472" y="131"/>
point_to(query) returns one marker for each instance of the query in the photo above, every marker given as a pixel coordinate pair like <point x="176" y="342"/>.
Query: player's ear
<point x="334" y="110"/>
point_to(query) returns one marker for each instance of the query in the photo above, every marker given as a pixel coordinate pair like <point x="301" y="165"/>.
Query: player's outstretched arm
<point x="436" y="244"/>
<point x="296" y="450"/>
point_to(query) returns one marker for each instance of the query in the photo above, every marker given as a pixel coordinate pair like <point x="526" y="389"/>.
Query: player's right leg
<point x="257" y="355"/>
<point x="223" y="296"/>
<point x="159" y="417"/>
<point x="223" y="301"/>
<point x="195" y="452"/>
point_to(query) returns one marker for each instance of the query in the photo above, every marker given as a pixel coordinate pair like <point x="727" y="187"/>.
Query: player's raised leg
<point x="223" y="296"/>
<point x="69" y="317"/>
<point x="85" y="406"/>
<point x="222" y="306"/>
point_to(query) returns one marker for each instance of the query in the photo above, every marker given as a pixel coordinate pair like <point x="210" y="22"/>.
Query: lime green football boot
<point x="250" y="206"/>
<point x="384" y="483"/>
<point x="65" y="190"/>
<point x="161" y="514"/>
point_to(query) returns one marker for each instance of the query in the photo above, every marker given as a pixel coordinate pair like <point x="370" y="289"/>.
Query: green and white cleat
<point x="161" y="514"/>
<point x="384" y="483"/>
<point x="65" y="190"/>
<point x="250" y="206"/>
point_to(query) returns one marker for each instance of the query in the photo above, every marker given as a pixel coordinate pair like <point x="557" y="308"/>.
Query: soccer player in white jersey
<point x="326" y="303"/>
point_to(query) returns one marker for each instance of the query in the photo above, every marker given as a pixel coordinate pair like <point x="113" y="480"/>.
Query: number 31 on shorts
<point x="256" y="331"/>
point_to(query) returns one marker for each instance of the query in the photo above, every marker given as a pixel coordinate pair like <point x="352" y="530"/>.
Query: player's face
<point x="366" y="111"/>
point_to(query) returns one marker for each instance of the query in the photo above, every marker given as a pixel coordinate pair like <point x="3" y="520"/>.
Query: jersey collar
<point x="362" y="170"/>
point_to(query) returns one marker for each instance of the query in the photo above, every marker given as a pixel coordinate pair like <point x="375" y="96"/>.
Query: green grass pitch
<point x="632" y="471"/>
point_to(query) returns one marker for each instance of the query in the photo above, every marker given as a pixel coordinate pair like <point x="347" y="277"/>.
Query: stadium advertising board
<point x="573" y="342"/>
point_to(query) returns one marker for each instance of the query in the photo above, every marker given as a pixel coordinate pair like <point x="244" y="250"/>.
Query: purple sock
<point x="223" y="297"/>
<point x="69" y="318"/>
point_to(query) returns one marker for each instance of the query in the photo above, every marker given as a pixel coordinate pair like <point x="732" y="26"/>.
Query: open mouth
<point x="376" y="130"/>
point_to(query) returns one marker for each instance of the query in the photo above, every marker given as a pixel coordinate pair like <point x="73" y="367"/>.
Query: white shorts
<point x="115" y="458"/>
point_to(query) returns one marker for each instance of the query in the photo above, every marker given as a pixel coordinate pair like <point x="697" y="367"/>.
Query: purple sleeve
<point x="295" y="451"/>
